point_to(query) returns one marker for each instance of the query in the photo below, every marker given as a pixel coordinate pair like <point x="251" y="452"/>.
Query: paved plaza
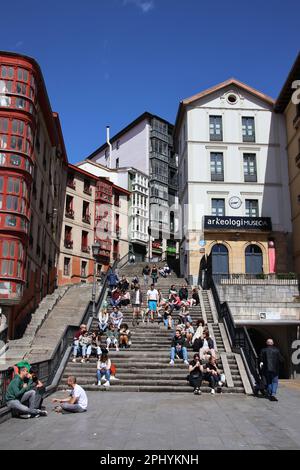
<point x="128" y="421"/>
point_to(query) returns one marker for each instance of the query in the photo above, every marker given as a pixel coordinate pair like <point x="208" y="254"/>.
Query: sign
<point x="261" y="224"/>
<point x="269" y="316"/>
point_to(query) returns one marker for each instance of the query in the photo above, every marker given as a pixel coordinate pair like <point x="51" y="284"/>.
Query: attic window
<point x="232" y="99"/>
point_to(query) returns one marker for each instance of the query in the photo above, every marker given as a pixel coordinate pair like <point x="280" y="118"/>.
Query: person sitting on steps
<point x="103" y="369"/>
<point x="112" y="337"/>
<point x="178" y="348"/>
<point x="124" y="336"/>
<point x="196" y="374"/>
<point x="116" y="317"/>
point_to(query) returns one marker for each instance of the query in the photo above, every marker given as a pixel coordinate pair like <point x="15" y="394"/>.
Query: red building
<point x="33" y="169"/>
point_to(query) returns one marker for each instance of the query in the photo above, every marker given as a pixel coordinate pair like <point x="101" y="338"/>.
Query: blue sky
<point x="107" y="61"/>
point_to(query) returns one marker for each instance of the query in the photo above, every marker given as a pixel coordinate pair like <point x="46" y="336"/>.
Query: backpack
<point x="113" y="369"/>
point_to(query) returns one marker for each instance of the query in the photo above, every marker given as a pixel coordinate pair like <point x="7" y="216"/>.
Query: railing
<point x="261" y="278"/>
<point x="86" y="218"/>
<point x="47" y="369"/>
<point x="238" y="336"/>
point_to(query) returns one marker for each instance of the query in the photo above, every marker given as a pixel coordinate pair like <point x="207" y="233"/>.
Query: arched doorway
<point x="220" y="263"/>
<point x="254" y="260"/>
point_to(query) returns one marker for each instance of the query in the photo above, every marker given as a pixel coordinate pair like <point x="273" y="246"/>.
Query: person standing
<point x="154" y="274"/>
<point x="77" y="401"/>
<point x="152" y="298"/>
<point x="270" y="360"/>
<point x="146" y="273"/>
<point x="112" y="279"/>
<point x="136" y="298"/>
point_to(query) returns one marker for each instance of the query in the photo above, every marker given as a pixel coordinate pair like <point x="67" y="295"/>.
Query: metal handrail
<point x="238" y="336"/>
<point x="47" y="369"/>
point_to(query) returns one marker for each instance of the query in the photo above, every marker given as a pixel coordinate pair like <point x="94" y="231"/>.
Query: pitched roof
<point x="230" y="82"/>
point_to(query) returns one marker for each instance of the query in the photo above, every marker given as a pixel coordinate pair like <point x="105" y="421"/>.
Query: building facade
<point x="147" y="145"/>
<point x="288" y="103"/>
<point x="95" y="211"/>
<point x="137" y="183"/>
<point x="233" y="184"/>
<point x="33" y="169"/>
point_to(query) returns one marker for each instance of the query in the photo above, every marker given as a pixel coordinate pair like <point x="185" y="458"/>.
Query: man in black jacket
<point x="270" y="359"/>
<point x="178" y="348"/>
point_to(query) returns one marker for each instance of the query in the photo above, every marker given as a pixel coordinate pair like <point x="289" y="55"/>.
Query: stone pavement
<point x="147" y="421"/>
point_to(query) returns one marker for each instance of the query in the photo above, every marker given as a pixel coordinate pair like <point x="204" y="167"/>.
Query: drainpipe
<point x="109" y="144"/>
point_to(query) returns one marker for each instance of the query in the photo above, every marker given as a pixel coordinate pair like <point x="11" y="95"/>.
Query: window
<point x="216" y="167"/>
<point x="215" y="128"/>
<point x="251" y="207"/>
<point x="160" y="147"/>
<point x="248" y="129"/>
<point x="218" y="207"/>
<point x="13" y="186"/>
<point x="67" y="263"/>
<point x="83" y="268"/>
<point x="117" y="163"/>
<point x="12" y="203"/>
<point x="117" y="144"/>
<point x="10" y="221"/>
<point x="250" y="173"/>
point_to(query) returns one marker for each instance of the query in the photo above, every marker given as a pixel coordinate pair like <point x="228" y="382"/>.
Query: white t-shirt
<point x="137" y="297"/>
<point x="80" y="394"/>
<point x="152" y="294"/>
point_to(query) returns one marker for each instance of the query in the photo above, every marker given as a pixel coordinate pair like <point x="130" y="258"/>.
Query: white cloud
<point x="144" y="5"/>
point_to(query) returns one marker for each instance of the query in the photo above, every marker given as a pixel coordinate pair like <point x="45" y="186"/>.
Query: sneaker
<point x="24" y="416"/>
<point x="107" y="384"/>
<point x="99" y="383"/>
<point x="82" y="360"/>
<point x="196" y="391"/>
<point x="74" y="359"/>
<point x="186" y="363"/>
<point x="199" y="392"/>
<point x="273" y="398"/>
<point x="220" y="383"/>
<point x="212" y="391"/>
<point x="113" y="378"/>
<point x="219" y="389"/>
<point x="117" y="349"/>
<point x="43" y="413"/>
<point x="171" y="363"/>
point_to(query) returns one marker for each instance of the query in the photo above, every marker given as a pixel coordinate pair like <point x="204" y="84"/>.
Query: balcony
<point x="159" y="156"/>
<point x="68" y="244"/>
<point x="69" y="213"/>
<point x="71" y="184"/>
<point x="173" y="182"/>
<point x="173" y="163"/>
<point x="86" y="218"/>
<point x="160" y="178"/>
<point x="85" y="248"/>
<point x="159" y="135"/>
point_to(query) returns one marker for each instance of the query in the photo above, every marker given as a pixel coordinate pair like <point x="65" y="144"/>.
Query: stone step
<point x="151" y="388"/>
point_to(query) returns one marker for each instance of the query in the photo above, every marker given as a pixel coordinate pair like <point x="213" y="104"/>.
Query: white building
<point x="146" y="144"/>
<point x="233" y="177"/>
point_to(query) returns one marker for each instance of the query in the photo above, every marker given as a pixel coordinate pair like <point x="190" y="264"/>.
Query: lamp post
<point x="96" y="252"/>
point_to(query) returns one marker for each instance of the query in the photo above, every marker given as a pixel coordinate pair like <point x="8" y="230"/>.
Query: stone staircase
<point x="55" y="312"/>
<point x="145" y="366"/>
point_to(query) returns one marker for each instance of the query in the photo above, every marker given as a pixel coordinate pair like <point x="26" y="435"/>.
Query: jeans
<point x="103" y="326"/>
<point x="76" y="347"/>
<point x="67" y="407"/>
<point x="20" y="407"/>
<point x="105" y="373"/>
<point x="117" y="323"/>
<point x="182" y="354"/>
<point x="272" y="382"/>
<point x="166" y="322"/>
<point x="212" y="379"/>
<point x="110" y="341"/>
<point x="146" y="279"/>
<point x="86" y="350"/>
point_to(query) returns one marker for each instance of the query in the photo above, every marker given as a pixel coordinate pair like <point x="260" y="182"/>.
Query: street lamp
<point x="96" y="253"/>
